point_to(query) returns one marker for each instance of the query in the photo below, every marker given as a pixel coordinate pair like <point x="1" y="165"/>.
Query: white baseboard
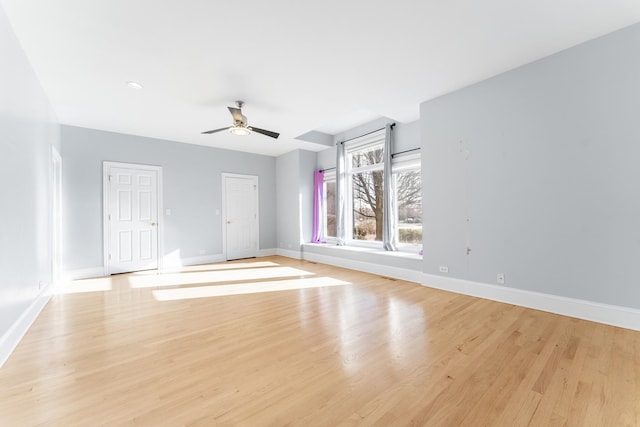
<point x="168" y="266"/>
<point x="623" y="317"/>
<point x="267" y="252"/>
<point x="289" y="253"/>
<point x="175" y="264"/>
<point x="367" y="267"/>
<point x="10" y="340"/>
<point x="203" y="259"/>
<point x="83" y="273"/>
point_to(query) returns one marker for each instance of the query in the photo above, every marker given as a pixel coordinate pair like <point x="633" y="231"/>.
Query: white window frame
<point x="374" y="139"/>
<point x="328" y="177"/>
<point x="405" y="163"/>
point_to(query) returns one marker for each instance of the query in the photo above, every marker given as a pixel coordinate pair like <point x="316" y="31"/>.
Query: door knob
<point x="153" y="224"/>
<point x="228" y="222"/>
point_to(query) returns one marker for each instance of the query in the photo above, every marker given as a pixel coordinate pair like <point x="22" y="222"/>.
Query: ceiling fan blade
<point x="266" y="132"/>
<point x="216" y="130"/>
<point x="237" y="114"/>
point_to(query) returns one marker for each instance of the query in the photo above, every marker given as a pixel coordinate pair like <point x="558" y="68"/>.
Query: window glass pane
<point x="367" y="156"/>
<point x="409" y="202"/>
<point x="367" y="205"/>
<point x="330" y="208"/>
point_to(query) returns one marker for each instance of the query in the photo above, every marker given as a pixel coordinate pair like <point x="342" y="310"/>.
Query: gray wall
<point x="27" y="132"/>
<point x="192" y="190"/>
<point x="287" y="199"/>
<point x="294" y="182"/>
<point x="537" y="171"/>
<point x="307" y="161"/>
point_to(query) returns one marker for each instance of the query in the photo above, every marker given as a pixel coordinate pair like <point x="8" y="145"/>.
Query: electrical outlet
<point x="500" y="278"/>
<point x="444" y="269"/>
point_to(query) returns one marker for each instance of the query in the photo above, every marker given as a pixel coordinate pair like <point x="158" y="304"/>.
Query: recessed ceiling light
<point x="134" y="85"/>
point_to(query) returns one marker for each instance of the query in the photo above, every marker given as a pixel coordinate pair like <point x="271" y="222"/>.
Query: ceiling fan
<point x="240" y="126"/>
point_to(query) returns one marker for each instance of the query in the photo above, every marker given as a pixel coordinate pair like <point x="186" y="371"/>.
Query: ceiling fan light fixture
<point x="240" y="125"/>
<point x="240" y="130"/>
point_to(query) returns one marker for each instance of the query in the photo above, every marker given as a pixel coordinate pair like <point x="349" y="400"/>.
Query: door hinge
<point x="109" y="217"/>
<point x="109" y="178"/>
<point x="109" y="257"/>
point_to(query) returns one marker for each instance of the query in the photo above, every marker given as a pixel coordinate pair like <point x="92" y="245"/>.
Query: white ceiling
<point x="327" y="65"/>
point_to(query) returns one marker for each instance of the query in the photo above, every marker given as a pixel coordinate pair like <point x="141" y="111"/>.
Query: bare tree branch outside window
<point x="367" y="196"/>
<point x="368" y="201"/>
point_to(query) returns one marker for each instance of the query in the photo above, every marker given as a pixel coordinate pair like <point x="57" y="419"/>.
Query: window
<point x="363" y="209"/>
<point x="365" y="184"/>
<point x="408" y="200"/>
<point x="329" y="205"/>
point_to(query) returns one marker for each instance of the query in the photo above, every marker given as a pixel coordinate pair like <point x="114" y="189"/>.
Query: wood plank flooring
<point x="276" y="341"/>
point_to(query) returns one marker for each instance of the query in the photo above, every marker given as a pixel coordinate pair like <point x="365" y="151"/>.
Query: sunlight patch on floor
<point x="100" y="284"/>
<point x="176" y="279"/>
<point x="245" y="288"/>
<point x="209" y="267"/>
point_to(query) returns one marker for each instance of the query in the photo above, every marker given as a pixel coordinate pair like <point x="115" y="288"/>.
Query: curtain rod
<point x="368" y="133"/>
<point x="405" y="151"/>
<point x="393" y="155"/>
<point x="327" y="169"/>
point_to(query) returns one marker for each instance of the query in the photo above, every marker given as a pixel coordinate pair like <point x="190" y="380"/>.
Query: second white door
<point x="240" y="215"/>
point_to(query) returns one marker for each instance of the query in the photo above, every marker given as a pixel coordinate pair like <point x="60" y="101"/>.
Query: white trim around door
<point x="106" y="166"/>
<point x="56" y="216"/>
<point x="253" y="180"/>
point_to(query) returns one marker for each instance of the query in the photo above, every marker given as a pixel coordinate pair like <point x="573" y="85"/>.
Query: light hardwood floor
<point x="276" y="341"/>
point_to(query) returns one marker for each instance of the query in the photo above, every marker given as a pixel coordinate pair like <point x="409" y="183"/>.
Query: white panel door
<point x="133" y="220"/>
<point x="241" y="216"/>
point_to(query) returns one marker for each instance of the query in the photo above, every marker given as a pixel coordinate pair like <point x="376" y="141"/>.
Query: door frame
<point x="56" y="216"/>
<point x="106" y="165"/>
<point x="256" y="182"/>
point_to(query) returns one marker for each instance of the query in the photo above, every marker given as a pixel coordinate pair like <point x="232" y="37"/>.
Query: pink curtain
<point x="318" y="186"/>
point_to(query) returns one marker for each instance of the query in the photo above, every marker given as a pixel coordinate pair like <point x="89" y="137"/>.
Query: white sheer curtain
<point x="389" y="210"/>
<point x="341" y="191"/>
<point x="318" y="198"/>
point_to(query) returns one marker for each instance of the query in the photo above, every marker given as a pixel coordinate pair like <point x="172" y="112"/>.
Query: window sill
<point x="367" y="250"/>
